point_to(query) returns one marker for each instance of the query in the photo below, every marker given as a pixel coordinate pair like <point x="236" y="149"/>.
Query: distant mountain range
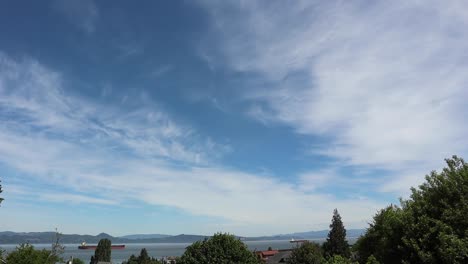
<point x="47" y="237"/>
<point x="145" y="236"/>
<point x="321" y="234"/>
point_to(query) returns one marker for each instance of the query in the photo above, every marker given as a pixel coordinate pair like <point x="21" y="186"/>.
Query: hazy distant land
<point x="47" y="237"/>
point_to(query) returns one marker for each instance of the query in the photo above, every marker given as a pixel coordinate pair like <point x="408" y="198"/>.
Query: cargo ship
<point x="84" y="246"/>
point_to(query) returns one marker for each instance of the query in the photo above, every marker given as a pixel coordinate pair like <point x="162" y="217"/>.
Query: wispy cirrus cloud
<point x="81" y="13"/>
<point x="21" y="192"/>
<point x="386" y="81"/>
<point x="161" y="70"/>
<point x="35" y="103"/>
<point x="104" y="155"/>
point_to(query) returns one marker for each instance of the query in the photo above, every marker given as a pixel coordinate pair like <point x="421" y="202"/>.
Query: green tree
<point x="383" y="238"/>
<point x="77" y="261"/>
<point x="144" y="258"/>
<point x="336" y="243"/>
<point x="26" y="254"/>
<point x="307" y="253"/>
<point x="1" y="199"/>
<point x="430" y="227"/>
<point x="372" y="260"/>
<point x="219" y="249"/>
<point x="337" y="259"/>
<point x="436" y="222"/>
<point x="103" y="251"/>
<point x="132" y="260"/>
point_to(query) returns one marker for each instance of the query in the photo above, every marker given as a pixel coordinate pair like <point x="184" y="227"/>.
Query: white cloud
<point x="75" y="199"/>
<point x="385" y="80"/>
<point x="33" y="95"/>
<point x="22" y="192"/>
<point x="161" y="70"/>
<point x="310" y="181"/>
<point x="129" y="50"/>
<point x="84" y="148"/>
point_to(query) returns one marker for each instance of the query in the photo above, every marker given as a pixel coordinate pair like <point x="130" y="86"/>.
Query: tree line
<point x="431" y="226"/>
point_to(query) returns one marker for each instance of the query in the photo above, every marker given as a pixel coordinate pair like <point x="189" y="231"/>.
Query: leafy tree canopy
<point x="144" y="258"/>
<point x="436" y="222"/>
<point x="383" y="238"/>
<point x="219" y="249"/>
<point x="430" y="227"/>
<point x="372" y="260"/>
<point x="78" y="261"/>
<point x="337" y="259"/>
<point x="307" y="253"/>
<point x="26" y="254"/>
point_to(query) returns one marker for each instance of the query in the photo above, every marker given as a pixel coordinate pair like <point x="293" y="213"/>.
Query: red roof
<point x="268" y="253"/>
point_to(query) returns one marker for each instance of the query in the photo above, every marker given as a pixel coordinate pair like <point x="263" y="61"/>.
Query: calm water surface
<point x="157" y="250"/>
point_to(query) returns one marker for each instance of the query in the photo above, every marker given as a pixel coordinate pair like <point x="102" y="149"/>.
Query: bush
<point x="337" y="259"/>
<point x="78" y="261"/>
<point x="219" y="249"/>
<point x="372" y="260"/>
<point x="26" y="254"/>
<point x="307" y="253"/>
<point x="144" y="258"/>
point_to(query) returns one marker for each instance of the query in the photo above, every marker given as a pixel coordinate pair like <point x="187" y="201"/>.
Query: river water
<point x="157" y="250"/>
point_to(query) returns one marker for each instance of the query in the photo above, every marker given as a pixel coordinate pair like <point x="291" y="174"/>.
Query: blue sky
<point x="249" y="117"/>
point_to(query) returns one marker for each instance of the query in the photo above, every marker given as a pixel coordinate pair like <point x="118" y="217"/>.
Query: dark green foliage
<point x="336" y="243"/>
<point x="219" y="249"/>
<point x="436" y="222"/>
<point x="26" y="254"/>
<point x="430" y="227"/>
<point x="337" y="259"/>
<point x="372" y="260"/>
<point x="1" y="199"/>
<point x="144" y="255"/>
<point x="132" y="260"/>
<point x="383" y="238"/>
<point x="144" y="258"/>
<point x="78" y="261"/>
<point x="103" y="251"/>
<point x="307" y="253"/>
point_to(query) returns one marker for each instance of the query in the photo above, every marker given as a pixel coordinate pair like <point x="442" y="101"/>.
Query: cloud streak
<point x="386" y="81"/>
<point x="140" y="155"/>
<point x="81" y="13"/>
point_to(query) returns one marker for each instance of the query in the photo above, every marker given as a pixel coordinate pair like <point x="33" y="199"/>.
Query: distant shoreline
<point x="47" y="238"/>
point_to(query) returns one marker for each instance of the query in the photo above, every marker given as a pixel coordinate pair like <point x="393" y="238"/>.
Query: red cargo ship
<point x="84" y="246"/>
